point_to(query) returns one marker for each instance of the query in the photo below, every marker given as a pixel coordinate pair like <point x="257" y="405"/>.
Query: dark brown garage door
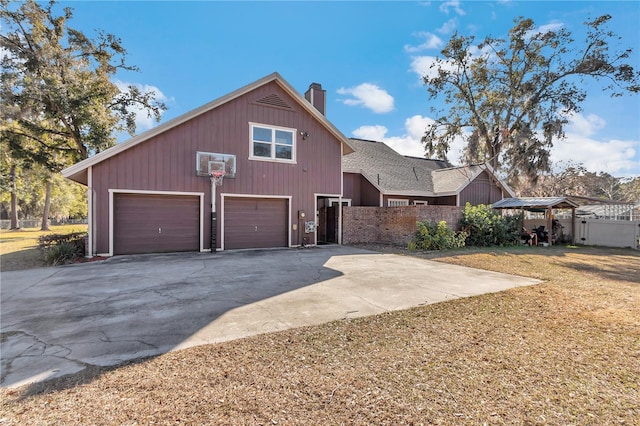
<point x="155" y="223"/>
<point x="255" y="223"/>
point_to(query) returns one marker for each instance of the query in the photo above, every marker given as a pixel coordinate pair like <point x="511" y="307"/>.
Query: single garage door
<point x="255" y="223"/>
<point x="146" y="223"/>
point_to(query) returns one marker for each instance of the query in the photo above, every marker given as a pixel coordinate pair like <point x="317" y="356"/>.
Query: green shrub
<point x="62" y="253"/>
<point x="486" y="227"/>
<point x="46" y="241"/>
<point x="432" y="236"/>
<point x="62" y="248"/>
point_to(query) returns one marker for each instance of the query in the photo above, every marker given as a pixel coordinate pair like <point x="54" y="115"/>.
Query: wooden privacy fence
<point x="392" y="225"/>
<point x="610" y="233"/>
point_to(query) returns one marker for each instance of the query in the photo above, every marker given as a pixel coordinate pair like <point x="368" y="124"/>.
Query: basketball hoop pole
<point x="216" y="180"/>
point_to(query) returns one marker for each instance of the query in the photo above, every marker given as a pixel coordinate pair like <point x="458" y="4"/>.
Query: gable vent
<point x="273" y="100"/>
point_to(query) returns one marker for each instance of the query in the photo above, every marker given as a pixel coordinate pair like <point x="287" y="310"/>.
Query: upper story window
<point x="272" y="143"/>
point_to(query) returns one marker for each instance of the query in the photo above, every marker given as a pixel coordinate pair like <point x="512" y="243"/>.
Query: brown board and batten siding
<point x="166" y="162"/>
<point x="360" y="191"/>
<point x="482" y="190"/>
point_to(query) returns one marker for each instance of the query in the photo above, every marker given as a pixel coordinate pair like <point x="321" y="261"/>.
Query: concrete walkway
<point x="57" y="321"/>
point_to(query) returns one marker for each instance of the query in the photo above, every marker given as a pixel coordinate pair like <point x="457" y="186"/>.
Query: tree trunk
<point x="14" y="199"/>
<point x="47" y="206"/>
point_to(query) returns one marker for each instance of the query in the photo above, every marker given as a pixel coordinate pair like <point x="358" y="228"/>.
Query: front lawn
<point x="566" y="351"/>
<point x="19" y="249"/>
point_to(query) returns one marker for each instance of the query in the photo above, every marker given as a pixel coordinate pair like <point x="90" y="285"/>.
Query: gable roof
<point x="78" y="171"/>
<point x="454" y="179"/>
<point x="390" y="172"/>
<point x="395" y="174"/>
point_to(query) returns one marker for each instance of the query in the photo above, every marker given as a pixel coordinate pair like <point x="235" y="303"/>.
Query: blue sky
<point x="368" y="56"/>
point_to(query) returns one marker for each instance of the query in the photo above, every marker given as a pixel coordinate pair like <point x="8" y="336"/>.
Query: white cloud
<point x="432" y="41"/>
<point x="585" y="126"/>
<point x="424" y="66"/>
<point x="143" y="120"/>
<point x="616" y="157"/>
<point x="370" y="96"/>
<point x="448" y="27"/>
<point x="454" y="4"/>
<point x="410" y="143"/>
<point x="372" y="133"/>
<point x="543" y="29"/>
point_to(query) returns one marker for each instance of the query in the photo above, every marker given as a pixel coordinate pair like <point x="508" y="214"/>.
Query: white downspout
<point x="90" y="209"/>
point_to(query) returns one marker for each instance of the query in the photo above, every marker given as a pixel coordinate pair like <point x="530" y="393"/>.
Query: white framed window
<point x="420" y="203"/>
<point x="269" y="143"/>
<point x="397" y="202"/>
<point x="346" y="202"/>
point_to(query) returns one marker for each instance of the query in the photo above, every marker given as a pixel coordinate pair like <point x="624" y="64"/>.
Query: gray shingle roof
<point x="454" y="179"/>
<point x="393" y="173"/>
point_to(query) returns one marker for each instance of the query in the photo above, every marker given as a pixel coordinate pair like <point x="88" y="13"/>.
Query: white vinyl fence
<point x="35" y="223"/>
<point x="610" y="233"/>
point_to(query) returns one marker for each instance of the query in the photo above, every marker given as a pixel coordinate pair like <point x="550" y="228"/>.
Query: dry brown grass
<point x="563" y="352"/>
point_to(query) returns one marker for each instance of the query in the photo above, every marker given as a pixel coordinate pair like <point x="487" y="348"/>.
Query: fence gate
<point x="610" y="233"/>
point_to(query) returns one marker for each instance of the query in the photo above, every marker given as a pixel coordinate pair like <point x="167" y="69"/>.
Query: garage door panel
<point x="146" y="223"/>
<point x="256" y="223"/>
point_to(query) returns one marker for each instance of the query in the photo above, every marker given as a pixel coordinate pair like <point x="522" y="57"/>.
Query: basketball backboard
<point x="207" y="162"/>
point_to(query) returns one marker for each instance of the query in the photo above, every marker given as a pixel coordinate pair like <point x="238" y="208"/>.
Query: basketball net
<point x="216" y="177"/>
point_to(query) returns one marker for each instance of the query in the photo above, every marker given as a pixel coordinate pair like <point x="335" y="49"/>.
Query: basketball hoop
<point x="216" y="177"/>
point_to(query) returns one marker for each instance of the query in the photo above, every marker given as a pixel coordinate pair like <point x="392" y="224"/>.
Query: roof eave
<point x="502" y="182"/>
<point x="409" y="193"/>
<point x="79" y="177"/>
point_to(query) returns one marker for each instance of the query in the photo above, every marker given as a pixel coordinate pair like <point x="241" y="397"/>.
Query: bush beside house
<point x="60" y="249"/>
<point x="479" y="226"/>
<point x="487" y="227"/>
<point x="432" y="236"/>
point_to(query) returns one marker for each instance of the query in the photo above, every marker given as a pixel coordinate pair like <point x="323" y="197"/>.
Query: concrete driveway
<point x="56" y="321"/>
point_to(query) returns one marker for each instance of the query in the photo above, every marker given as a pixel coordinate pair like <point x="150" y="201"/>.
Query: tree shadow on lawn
<point x="103" y="316"/>
<point x="23" y="259"/>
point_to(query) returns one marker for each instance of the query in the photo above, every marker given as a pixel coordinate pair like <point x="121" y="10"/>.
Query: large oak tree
<point x="59" y="101"/>
<point x="509" y="99"/>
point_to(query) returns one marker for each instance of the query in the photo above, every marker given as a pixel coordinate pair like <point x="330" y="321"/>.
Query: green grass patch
<point x="19" y="248"/>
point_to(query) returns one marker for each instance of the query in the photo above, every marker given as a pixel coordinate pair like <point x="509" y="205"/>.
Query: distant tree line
<point x="574" y="179"/>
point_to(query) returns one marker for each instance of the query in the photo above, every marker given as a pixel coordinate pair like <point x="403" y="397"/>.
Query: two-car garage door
<point x="157" y="223"/>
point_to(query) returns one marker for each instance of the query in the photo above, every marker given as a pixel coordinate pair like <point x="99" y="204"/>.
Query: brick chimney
<point x="317" y="97"/>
